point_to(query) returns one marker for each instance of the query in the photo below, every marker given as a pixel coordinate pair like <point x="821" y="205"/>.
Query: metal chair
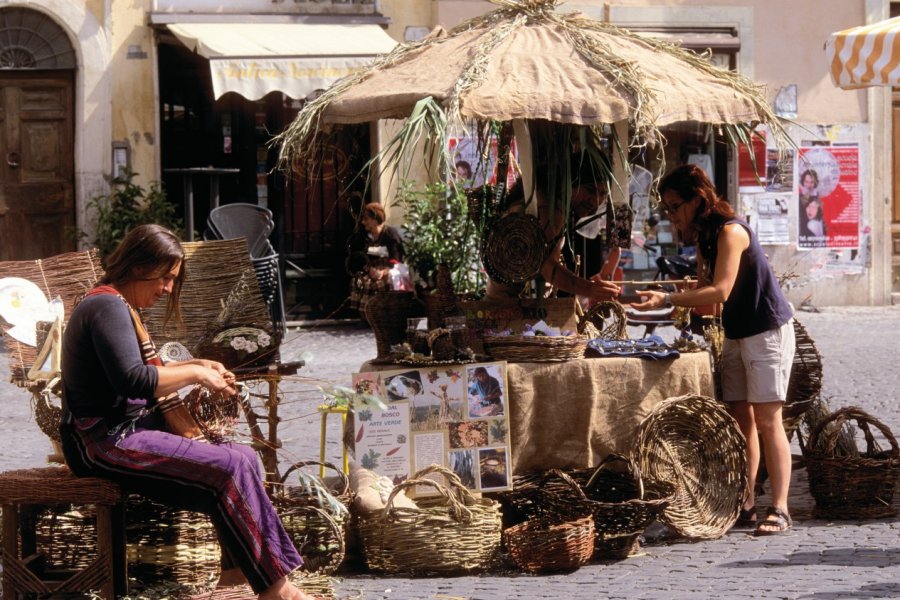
<point x="241" y="219"/>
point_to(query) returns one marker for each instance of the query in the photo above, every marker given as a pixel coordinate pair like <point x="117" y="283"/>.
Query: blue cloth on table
<point x="651" y="347"/>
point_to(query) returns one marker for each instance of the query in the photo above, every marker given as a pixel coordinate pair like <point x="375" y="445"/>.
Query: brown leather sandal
<point x="775" y="517"/>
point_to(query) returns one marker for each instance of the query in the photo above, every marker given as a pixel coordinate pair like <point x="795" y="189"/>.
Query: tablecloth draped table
<point x="573" y="414"/>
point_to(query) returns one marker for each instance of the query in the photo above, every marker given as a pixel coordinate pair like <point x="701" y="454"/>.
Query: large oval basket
<point x="514" y="248"/>
<point x="693" y="443"/>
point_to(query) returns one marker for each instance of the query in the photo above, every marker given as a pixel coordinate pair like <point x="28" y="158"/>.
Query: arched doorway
<point x="37" y="75"/>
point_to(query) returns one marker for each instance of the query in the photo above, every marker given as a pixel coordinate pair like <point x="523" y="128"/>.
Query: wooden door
<point x="37" y="207"/>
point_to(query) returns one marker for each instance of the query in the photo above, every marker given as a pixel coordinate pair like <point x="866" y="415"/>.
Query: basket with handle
<point x="550" y="541"/>
<point x="853" y="483"/>
<point x="318" y="528"/>
<point x="452" y="532"/>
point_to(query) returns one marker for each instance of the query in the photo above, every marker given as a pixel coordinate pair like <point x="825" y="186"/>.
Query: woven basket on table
<point x="453" y="532"/>
<point x="693" y="443"/>
<point x="860" y="485"/>
<point x="318" y="531"/>
<point x="549" y="540"/>
<point x="537" y="348"/>
<point x="387" y="312"/>
<point x="606" y="319"/>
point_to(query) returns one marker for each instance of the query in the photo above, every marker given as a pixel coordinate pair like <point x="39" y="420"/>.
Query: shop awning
<point x="254" y="59"/>
<point x="866" y="55"/>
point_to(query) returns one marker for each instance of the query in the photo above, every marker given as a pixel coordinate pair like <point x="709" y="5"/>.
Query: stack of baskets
<point x="451" y="532"/>
<point x="693" y="443"/>
<point x="319" y="531"/>
<point x="847" y="482"/>
<point x="536" y="348"/>
<point x="551" y="541"/>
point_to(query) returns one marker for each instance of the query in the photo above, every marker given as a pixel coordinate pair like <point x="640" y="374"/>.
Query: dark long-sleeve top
<point x="102" y="369"/>
<point x="390" y="239"/>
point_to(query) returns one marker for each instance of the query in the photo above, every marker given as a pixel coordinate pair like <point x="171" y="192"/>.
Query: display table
<point x="573" y="414"/>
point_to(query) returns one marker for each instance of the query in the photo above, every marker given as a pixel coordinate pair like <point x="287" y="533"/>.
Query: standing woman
<point x="372" y="253"/>
<point x="112" y="429"/>
<point x="759" y="336"/>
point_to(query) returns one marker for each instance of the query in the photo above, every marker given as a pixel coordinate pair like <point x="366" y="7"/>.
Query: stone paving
<point x="817" y="560"/>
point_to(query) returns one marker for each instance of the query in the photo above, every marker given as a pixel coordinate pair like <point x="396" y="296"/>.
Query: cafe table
<point x="572" y="414"/>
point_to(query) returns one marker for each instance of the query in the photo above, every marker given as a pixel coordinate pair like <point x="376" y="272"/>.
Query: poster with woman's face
<point x="828" y="198"/>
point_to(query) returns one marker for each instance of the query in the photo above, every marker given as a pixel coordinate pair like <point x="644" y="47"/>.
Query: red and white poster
<point x="828" y="197"/>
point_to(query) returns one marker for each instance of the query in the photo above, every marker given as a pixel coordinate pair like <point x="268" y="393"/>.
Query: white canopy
<point x="254" y="59"/>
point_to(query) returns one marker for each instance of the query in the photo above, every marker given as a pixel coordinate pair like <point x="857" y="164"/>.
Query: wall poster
<point x="828" y="197"/>
<point x="453" y="415"/>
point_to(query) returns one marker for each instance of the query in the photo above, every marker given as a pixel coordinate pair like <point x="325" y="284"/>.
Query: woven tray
<point x="693" y="443"/>
<point x="513" y="248"/>
<point x="453" y="532"/>
<point x="538" y="348"/>
<point x="851" y="487"/>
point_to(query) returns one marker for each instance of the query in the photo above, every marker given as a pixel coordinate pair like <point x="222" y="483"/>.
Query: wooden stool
<point x="26" y="570"/>
<point x="326" y="410"/>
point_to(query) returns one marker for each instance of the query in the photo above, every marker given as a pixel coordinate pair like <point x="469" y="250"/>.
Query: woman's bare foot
<point x="285" y="590"/>
<point x="230" y="577"/>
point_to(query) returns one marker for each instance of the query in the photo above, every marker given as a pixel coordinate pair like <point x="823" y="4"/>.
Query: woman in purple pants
<point x="113" y="376"/>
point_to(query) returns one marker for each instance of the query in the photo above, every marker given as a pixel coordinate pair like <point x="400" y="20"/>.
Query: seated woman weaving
<point x="112" y="428"/>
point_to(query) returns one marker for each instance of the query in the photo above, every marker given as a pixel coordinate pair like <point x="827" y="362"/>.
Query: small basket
<point x="538" y="348"/>
<point x="451" y="533"/>
<point x="608" y="320"/>
<point x="693" y="443"/>
<point x="860" y="486"/>
<point x="319" y="534"/>
<point x="550" y="541"/>
<point x="548" y="544"/>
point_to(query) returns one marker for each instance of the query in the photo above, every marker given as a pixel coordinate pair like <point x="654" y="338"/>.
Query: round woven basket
<point x="549" y="544"/>
<point x="513" y="248"/>
<point x="608" y="320"/>
<point x="856" y="486"/>
<point x="693" y="443"/>
<point x="537" y="348"/>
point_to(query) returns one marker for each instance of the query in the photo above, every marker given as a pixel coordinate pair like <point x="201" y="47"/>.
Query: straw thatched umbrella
<point x="526" y="61"/>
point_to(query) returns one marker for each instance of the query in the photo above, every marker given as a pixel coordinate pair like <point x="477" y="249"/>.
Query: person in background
<point x="759" y="337"/>
<point x="373" y="250"/>
<point x="589" y="194"/>
<point x="112" y="426"/>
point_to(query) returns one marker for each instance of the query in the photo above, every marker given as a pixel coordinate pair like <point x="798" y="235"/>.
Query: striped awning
<point x="866" y="55"/>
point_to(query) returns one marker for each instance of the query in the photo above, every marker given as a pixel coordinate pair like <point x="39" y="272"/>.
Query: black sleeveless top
<point x="756" y="303"/>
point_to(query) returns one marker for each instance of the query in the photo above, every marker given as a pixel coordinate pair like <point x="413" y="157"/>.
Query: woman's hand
<point x="214" y="380"/>
<point x="650" y="300"/>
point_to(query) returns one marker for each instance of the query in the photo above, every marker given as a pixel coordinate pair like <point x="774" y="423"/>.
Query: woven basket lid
<point x="513" y="248"/>
<point x="692" y="442"/>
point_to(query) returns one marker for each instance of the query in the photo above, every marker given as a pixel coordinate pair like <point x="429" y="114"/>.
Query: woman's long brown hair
<point x="146" y="252"/>
<point x="688" y="182"/>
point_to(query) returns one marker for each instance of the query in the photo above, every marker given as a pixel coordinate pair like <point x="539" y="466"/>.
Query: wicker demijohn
<point x="693" y="443"/>
<point x="387" y="313"/>
<point x="805" y="383"/>
<point x="537" y="348"/>
<point x="453" y="532"/>
<point x="856" y="484"/>
<point x="513" y="248"/>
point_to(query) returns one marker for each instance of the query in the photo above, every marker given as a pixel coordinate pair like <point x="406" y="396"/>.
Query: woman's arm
<point x="561" y="277"/>
<point x="732" y="241"/>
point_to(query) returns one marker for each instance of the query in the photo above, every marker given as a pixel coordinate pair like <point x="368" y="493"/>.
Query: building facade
<point x="152" y="86"/>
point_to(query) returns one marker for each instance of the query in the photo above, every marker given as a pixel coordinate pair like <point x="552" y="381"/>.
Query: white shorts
<point x="757" y="368"/>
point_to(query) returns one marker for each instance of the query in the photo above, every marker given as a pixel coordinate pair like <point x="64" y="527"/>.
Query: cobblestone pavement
<point x="818" y="559"/>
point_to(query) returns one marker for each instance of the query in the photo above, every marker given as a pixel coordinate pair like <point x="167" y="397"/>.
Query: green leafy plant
<point x="125" y="207"/>
<point x="438" y="230"/>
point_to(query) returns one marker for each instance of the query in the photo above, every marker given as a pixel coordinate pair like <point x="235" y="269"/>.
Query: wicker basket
<point x="387" y="312"/>
<point x="860" y="486"/>
<point x="805" y="383"/>
<point x="549" y="544"/>
<point x="166" y="544"/>
<point x="538" y="348"/>
<point x="319" y="532"/>
<point x="513" y="248"/>
<point x="693" y="443"/>
<point x="607" y="319"/>
<point x="453" y="532"/>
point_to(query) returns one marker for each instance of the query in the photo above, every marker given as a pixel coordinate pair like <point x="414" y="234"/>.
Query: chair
<point x="241" y="219"/>
<point x="29" y="569"/>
